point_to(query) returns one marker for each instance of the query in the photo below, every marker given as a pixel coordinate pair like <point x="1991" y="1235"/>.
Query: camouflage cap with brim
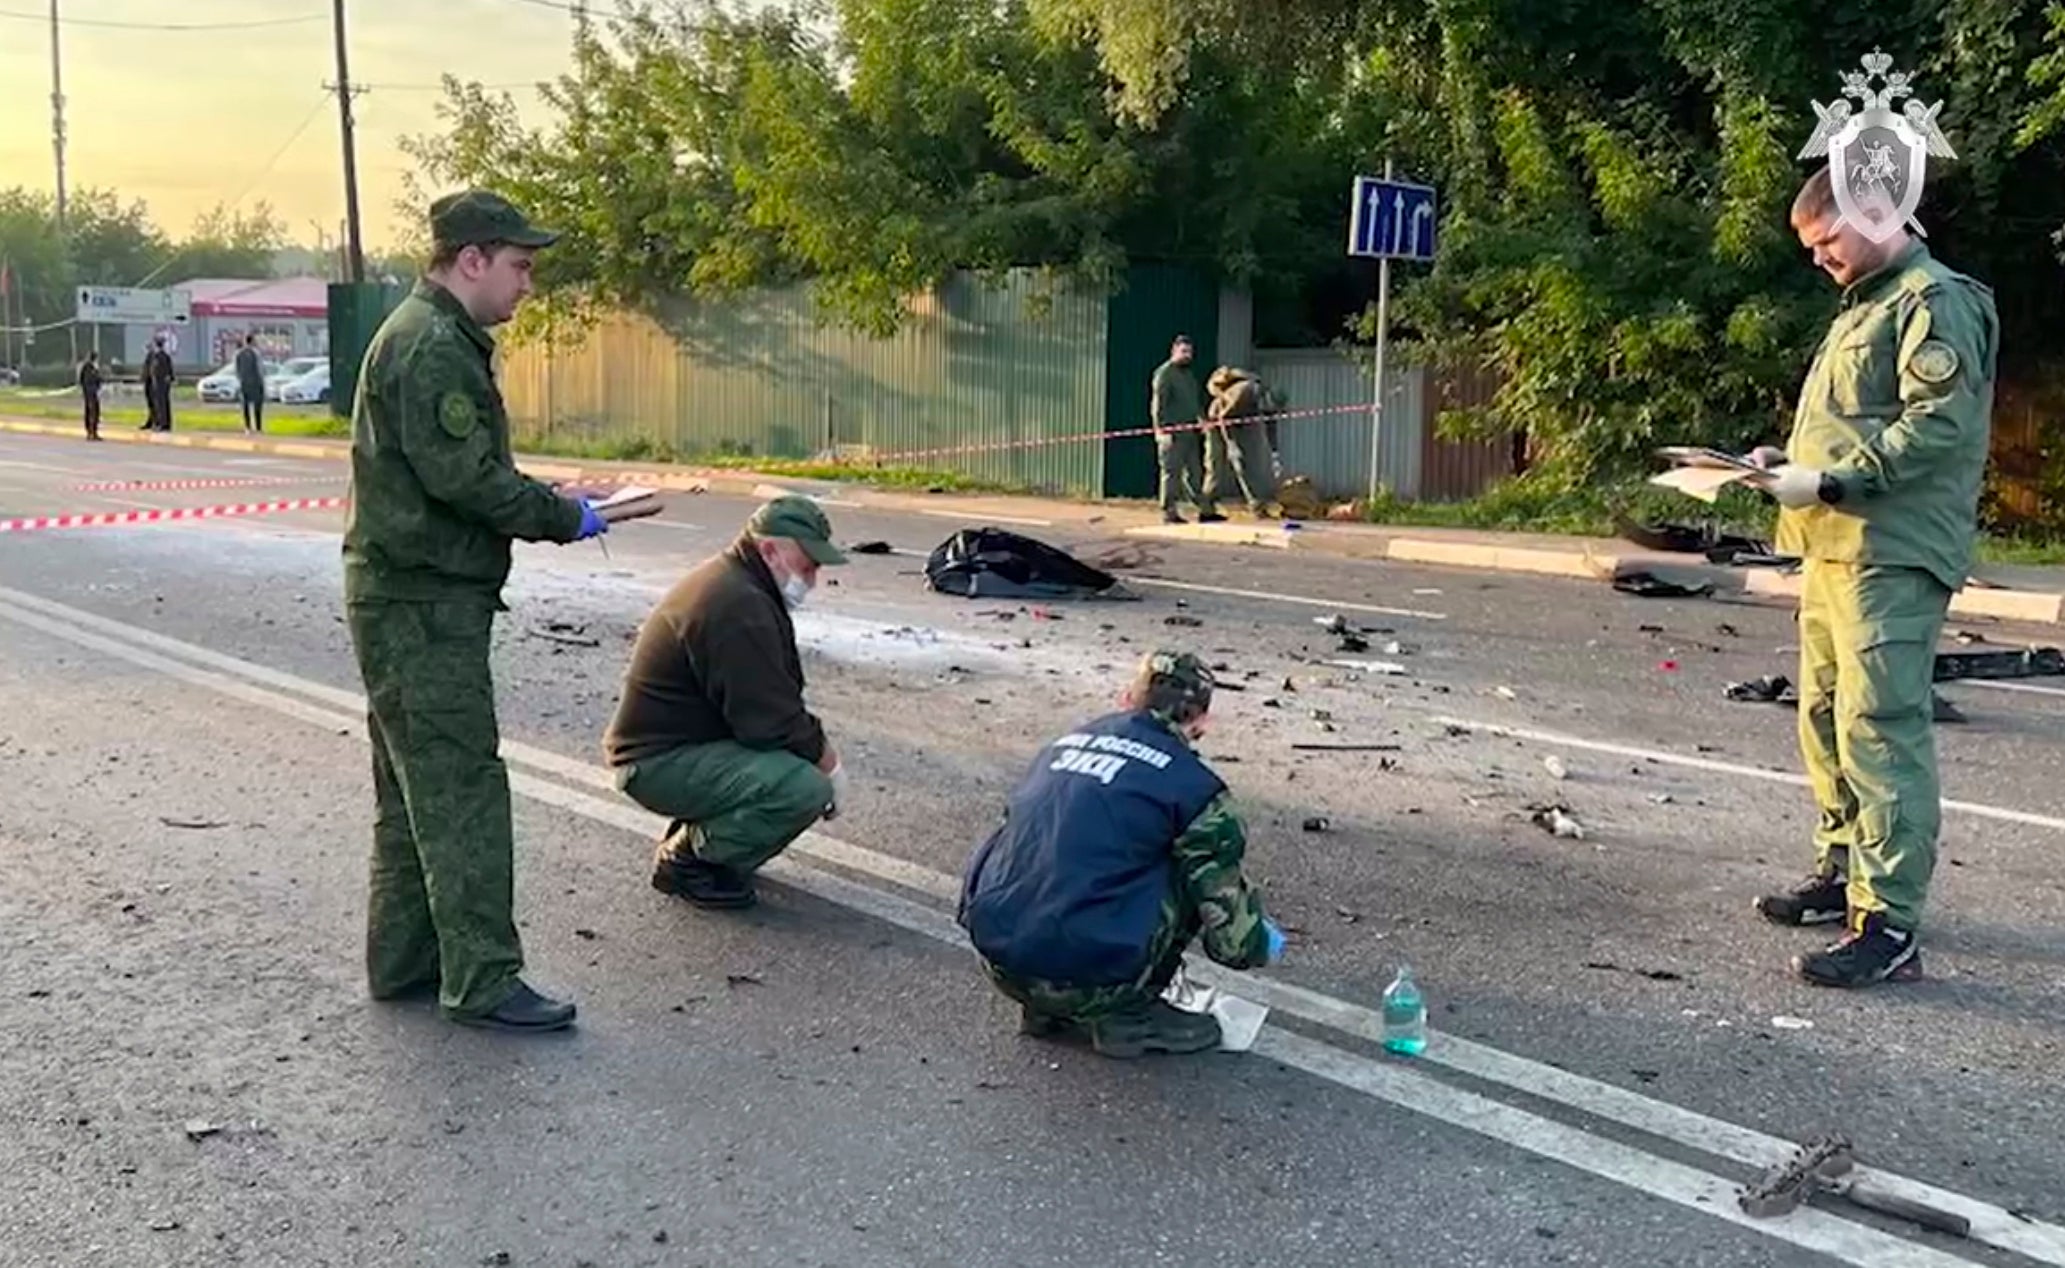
<point x="801" y="521"/>
<point x="480" y="217"/>
<point x="1181" y="670"/>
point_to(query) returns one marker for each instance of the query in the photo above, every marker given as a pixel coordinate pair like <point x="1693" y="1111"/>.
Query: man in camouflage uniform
<point x="1246" y="443"/>
<point x="1880" y="488"/>
<point x="1118" y="849"/>
<point x="435" y="501"/>
<point x="1175" y="402"/>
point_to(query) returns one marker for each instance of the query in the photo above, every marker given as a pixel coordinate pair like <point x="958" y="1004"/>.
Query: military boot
<point x="1153" y="1027"/>
<point x="1821" y="899"/>
<point x="1874" y="950"/>
<point x="678" y="871"/>
<point x="1041" y="1025"/>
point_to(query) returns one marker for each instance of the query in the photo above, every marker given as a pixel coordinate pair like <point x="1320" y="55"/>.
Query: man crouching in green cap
<point x="1117" y="849"/>
<point x="711" y="730"/>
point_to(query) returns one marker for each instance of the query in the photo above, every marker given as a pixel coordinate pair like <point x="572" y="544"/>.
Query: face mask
<point x="793" y="591"/>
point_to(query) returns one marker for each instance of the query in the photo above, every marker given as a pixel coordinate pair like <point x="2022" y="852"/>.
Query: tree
<point x="226" y="242"/>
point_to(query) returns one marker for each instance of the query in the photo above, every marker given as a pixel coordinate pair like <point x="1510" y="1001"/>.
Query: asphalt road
<point x="828" y="1080"/>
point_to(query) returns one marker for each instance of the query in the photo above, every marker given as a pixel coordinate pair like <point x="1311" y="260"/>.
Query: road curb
<point x="2040" y="607"/>
<point x="1582" y="565"/>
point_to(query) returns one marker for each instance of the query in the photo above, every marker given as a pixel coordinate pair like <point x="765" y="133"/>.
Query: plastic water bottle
<point x="1405" y="1015"/>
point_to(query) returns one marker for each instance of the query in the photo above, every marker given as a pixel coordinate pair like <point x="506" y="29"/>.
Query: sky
<point x="186" y="119"/>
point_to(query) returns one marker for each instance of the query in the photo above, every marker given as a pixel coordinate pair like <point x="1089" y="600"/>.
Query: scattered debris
<point x="1771" y="689"/>
<point x="1505" y="693"/>
<point x="871" y="548"/>
<point x="1662" y="799"/>
<point x="192" y="825"/>
<point x="1554" y="765"/>
<point x="1828" y="1165"/>
<point x="1181" y="619"/>
<point x="1559" y="822"/>
<point x="567" y="640"/>
<point x="1791" y="1023"/>
<point x="1647" y="585"/>
<point x="2033" y="662"/>
<point x="1371" y="666"/>
<point x="586" y="935"/>
<point x="1350" y="748"/>
<point x="1353" y="643"/>
<point x="1705" y="539"/>
<point x="167" y="1225"/>
<point x="1654" y="975"/>
<point x="1667" y="666"/>
<point x="743" y="979"/>
<point x="201" y="1129"/>
<point x="1318" y="823"/>
<point x="1727" y="631"/>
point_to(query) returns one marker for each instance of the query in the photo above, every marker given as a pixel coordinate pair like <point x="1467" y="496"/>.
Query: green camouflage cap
<point x="478" y="217"/>
<point x="801" y="521"/>
<point x="1180" y="670"/>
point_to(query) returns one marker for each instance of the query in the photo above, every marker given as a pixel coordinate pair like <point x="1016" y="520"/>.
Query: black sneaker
<point x="1821" y="899"/>
<point x="1173" y="517"/>
<point x="1211" y="517"/>
<point x="677" y="871"/>
<point x="1046" y="1025"/>
<point x="1153" y="1027"/>
<point x="1872" y="951"/>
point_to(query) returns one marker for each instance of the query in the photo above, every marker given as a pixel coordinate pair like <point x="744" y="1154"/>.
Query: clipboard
<point x="629" y="503"/>
<point x="1708" y="459"/>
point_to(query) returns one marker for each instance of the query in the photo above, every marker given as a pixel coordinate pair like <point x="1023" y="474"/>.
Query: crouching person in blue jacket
<point x="1119" y="847"/>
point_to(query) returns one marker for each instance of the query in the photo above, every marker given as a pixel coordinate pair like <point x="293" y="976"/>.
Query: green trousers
<point x="1173" y="934"/>
<point x="443" y="874"/>
<point x="749" y="803"/>
<point x="1181" y="457"/>
<point x="1867" y="662"/>
<point x="1244" y="447"/>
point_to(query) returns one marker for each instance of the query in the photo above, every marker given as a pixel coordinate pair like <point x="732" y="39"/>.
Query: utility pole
<point x="57" y="113"/>
<point x="354" y="255"/>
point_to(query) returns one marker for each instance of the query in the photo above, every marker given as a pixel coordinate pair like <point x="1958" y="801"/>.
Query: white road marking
<point x="976" y="517"/>
<point x="1728" y="768"/>
<point x="1687" y="1186"/>
<point x="40" y="466"/>
<point x="1332" y="605"/>
<point x="2023" y="687"/>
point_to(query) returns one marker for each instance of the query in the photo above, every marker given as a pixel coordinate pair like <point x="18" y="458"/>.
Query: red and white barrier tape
<point x="163" y="486"/>
<point x="117" y="519"/>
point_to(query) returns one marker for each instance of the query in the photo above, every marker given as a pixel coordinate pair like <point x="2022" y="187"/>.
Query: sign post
<point x="1389" y="220"/>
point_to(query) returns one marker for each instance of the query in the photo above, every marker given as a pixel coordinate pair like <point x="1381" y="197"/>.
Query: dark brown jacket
<point x="716" y="660"/>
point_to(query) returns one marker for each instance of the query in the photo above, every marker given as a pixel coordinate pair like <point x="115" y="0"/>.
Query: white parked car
<point x="312" y="388"/>
<point x="221" y="386"/>
<point x="289" y="371"/>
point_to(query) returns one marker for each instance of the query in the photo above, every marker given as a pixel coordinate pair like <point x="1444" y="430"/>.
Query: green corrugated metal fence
<point x="1157" y="303"/>
<point x="356" y="311"/>
<point x="1009" y="367"/>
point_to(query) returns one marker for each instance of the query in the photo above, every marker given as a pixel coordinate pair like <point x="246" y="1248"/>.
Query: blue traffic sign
<point x="1391" y="220"/>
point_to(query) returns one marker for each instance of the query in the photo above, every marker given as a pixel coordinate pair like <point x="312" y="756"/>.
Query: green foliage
<point x="1615" y="181"/>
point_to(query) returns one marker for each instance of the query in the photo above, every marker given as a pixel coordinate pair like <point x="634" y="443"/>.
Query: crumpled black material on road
<point x="992" y="563"/>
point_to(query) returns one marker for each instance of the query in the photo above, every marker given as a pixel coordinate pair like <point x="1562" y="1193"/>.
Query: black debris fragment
<point x="871" y="548"/>
<point x="1647" y="585"/>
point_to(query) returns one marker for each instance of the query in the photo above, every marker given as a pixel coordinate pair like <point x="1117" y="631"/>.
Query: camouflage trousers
<point x="749" y="803"/>
<point x="1173" y="934"/>
<point x="443" y="873"/>
<point x="1244" y="448"/>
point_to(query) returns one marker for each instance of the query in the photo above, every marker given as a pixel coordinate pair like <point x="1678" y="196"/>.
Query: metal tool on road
<point x="1827" y="1164"/>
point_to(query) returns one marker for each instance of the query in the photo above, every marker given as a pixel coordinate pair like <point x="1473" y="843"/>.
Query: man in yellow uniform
<point x="1880" y="488"/>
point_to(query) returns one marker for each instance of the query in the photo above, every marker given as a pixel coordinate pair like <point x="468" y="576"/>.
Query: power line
<point x="109" y="24"/>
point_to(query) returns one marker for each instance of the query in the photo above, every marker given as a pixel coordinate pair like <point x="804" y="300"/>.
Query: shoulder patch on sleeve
<point x="1934" y="362"/>
<point x="456" y="414"/>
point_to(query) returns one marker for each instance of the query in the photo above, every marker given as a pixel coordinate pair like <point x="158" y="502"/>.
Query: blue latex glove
<point x="1276" y="939"/>
<point x="592" y="524"/>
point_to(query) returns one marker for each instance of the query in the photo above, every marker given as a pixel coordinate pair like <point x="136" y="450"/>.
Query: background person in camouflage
<point x="435" y="500"/>
<point x="1248" y="447"/>
<point x="1880" y="488"/>
<point x="1118" y="849"/>
<point x="1175" y="401"/>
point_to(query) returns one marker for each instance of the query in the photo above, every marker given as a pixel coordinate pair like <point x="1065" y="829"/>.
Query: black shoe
<point x="1171" y="517"/>
<point x="706" y="884"/>
<point x="1211" y="517"/>
<point x="1821" y="899"/>
<point x="1872" y="951"/>
<point x="524" y="1012"/>
<point x="1153" y="1027"/>
<point x="1046" y="1025"/>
